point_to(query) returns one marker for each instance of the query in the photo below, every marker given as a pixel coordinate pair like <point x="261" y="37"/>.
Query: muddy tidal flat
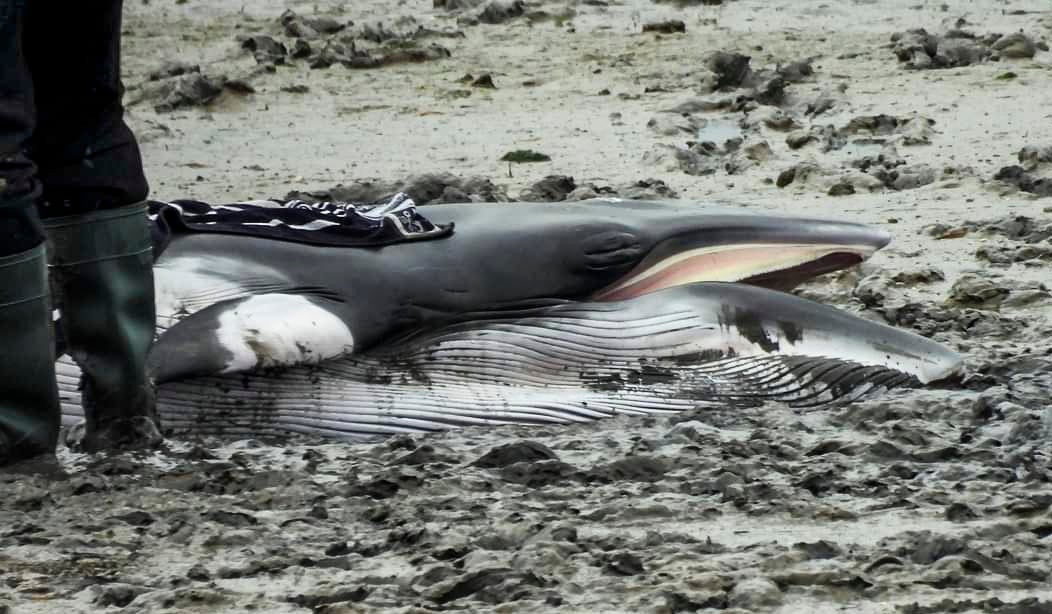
<point x="932" y="120"/>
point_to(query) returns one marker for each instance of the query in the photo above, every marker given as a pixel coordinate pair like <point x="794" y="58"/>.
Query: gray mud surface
<point x="935" y="500"/>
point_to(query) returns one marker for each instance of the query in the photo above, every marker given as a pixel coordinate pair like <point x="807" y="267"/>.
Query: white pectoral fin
<point x="257" y="332"/>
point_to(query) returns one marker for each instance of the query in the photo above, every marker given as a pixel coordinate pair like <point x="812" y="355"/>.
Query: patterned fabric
<point x="333" y="224"/>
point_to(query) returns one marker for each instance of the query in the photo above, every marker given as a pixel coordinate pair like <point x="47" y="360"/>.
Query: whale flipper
<point x="250" y="333"/>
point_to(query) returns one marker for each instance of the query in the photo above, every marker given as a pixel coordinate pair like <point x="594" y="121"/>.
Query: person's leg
<point x="94" y="212"/>
<point x="29" y="406"/>
<point x="87" y="157"/>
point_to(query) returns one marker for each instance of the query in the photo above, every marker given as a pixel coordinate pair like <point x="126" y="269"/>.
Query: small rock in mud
<point x="298" y="26"/>
<point x="974" y="290"/>
<point x="484" y="81"/>
<point x="499" y="12"/>
<point x="827" y="137"/>
<point x="1008" y="254"/>
<point x="928" y="547"/>
<point x="625" y="564"/>
<point x="492" y="586"/>
<point x="406" y="29"/>
<point x="1033" y="156"/>
<point x="960" y="512"/>
<point x="907" y="177"/>
<point x="1017" y="228"/>
<point x="810" y="175"/>
<point x="786" y="177"/>
<point x="364" y="59"/>
<point x="300" y="49"/>
<point x="755" y="594"/>
<point x="185" y="599"/>
<point x="518" y="452"/>
<point x="230" y="519"/>
<point x="993" y="605"/>
<point x="436" y="187"/>
<point x="199" y="573"/>
<point x="426" y="455"/>
<point x="538" y="474"/>
<point x="646" y="189"/>
<point x="1026" y="182"/>
<point x="819" y="550"/>
<point x="316" y="601"/>
<point x="456" y="5"/>
<point x="757" y="151"/>
<point x="184" y="91"/>
<point x="671" y="26"/>
<point x="954" y="52"/>
<point x="919" y="49"/>
<point x="731" y="69"/>
<point x="915" y="130"/>
<point x="172" y="68"/>
<point x="553" y="188"/>
<point x="686" y="3"/>
<point x="632" y="469"/>
<point x="700" y="105"/>
<point x="265" y="49"/>
<point x="423" y="189"/>
<point x="117" y="594"/>
<point x="841" y="189"/>
<point x="773" y="118"/>
<point x="672" y="124"/>
<point x="699" y="158"/>
<point x="795" y="72"/>
<point x="1015" y="45"/>
<point x="918" y="276"/>
<point x="878" y="124"/>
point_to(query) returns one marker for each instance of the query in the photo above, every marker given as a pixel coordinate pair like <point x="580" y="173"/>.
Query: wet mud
<point x="929" y="120"/>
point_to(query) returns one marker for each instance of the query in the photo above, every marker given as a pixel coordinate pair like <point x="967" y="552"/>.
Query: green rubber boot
<point x="102" y="281"/>
<point x="29" y="407"/>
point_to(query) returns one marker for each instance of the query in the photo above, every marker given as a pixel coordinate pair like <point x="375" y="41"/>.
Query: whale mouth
<point x="779" y="266"/>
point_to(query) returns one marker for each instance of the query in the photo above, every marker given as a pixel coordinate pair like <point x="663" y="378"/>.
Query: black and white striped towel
<point x="333" y="224"/>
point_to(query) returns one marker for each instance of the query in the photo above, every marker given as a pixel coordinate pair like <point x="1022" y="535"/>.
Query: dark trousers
<point x="64" y="146"/>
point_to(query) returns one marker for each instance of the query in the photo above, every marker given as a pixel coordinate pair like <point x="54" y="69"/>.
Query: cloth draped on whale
<point x="336" y="224"/>
<point x="531" y="313"/>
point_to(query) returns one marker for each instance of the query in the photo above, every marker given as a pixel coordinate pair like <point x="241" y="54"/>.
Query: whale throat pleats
<point x="670" y="351"/>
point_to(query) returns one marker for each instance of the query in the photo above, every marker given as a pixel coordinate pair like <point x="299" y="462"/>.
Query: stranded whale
<point x="530" y="312"/>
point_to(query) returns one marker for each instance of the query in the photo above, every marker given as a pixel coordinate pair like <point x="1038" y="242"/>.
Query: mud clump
<point x="320" y="42"/>
<point x="687" y="3"/>
<point x="1033" y="156"/>
<point x="172" y="68"/>
<point x="423" y="189"/>
<point x="187" y="89"/>
<point x="499" y="12"/>
<point x="551" y="188"/>
<point x="644" y="189"/>
<point x="523" y="451"/>
<point x="265" y="49"/>
<point x="732" y="156"/>
<point x="919" y="49"/>
<point x="436" y="188"/>
<point x="673" y="26"/>
<point x="1027" y="182"/>
<point x="308" y="27"/>
<point x="731" y="69"/>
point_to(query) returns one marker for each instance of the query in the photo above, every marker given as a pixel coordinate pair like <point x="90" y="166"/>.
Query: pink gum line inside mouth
<point x="693" y="269"/>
